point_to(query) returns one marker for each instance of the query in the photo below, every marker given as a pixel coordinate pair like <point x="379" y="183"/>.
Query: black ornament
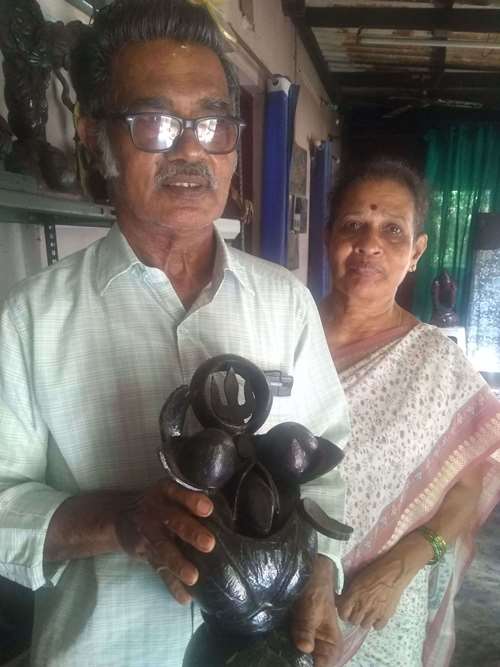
<point x="265" y="534"/>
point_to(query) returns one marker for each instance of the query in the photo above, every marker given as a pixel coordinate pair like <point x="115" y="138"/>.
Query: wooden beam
<point x="328" y="79"/>
<point x="465" y="80"/>
<point x="438" y="57"/>
<point x="457" y="20"/>
<point x="295" y="10"/>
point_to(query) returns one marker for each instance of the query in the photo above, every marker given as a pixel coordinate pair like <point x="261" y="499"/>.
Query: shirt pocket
<point x="282" y="410"/>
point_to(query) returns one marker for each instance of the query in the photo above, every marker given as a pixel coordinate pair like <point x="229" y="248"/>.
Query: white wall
<point x="273" y="42"/>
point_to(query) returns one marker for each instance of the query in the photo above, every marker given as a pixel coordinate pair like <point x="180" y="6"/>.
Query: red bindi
<point x="373" y="207"/>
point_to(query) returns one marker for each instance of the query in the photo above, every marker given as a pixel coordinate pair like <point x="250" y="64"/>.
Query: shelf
<point x="23" y="202"/>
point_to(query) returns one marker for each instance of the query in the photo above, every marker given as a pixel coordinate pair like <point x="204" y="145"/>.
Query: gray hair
<point x="125" y="21"/>
<point x="383" y="169"/>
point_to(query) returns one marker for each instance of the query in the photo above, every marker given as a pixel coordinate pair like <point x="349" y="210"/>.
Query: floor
<point x="478" y="603"/>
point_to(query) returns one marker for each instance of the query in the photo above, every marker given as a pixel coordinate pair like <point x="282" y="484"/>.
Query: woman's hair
<point x="383" y="169"/>
<point x="126" y="21"/>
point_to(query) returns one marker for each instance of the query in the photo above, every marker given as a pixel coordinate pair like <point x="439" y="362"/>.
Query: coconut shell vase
<point x="265" y="533"/>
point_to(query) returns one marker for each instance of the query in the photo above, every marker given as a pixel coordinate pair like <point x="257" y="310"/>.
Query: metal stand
<point x="51" y="244"/>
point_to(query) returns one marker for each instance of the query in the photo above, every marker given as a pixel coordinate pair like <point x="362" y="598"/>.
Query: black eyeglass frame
<point x="186" y="123"/>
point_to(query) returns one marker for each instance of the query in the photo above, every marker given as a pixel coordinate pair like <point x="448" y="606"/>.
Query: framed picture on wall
<point x="293" y="236"/>
<point x="298" y="171"/>
<point x="293" y="251"/>
<point x="300" y="215"/>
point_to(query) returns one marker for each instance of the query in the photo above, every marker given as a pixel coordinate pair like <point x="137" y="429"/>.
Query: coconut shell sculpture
<point x="265" y="533"/>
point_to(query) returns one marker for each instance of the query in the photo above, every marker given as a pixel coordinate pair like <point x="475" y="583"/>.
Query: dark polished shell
<point x="255" y="506"/>
<point x="293" y="454"/>
<point x="209" y="459"/>
<point x="247" y="585"/>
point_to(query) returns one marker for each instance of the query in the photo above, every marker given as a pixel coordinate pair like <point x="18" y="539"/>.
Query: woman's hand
<point x="149" y="529"/>
<point x="314" y="617"/>
<point x="373" y="594"/>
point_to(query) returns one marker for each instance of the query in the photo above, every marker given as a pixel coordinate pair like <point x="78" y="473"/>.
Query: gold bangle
<point x="437" y="542"/>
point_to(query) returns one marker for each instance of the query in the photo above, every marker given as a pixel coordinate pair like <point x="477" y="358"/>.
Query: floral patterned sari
<point x="421" y="417"/>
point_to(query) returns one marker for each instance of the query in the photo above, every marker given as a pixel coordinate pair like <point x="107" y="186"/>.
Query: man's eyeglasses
<point x="158" y="132"/>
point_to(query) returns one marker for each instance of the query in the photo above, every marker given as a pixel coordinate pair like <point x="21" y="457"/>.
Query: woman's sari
<point x="421" y="417"/>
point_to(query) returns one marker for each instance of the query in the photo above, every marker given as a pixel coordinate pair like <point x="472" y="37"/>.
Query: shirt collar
<point x="116" y="258"/>
<point x="226" y="261"/>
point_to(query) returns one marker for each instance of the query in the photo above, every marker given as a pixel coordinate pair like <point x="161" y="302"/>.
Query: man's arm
<point x="26" y="502"/>
<point x="43" y="528"/>
<point x="314" y="621"/>
<point x="85" y="526"/>
<point x="324" y="409"/>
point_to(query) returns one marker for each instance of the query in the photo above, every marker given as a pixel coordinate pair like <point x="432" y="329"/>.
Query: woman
<point x="423" y="464"/>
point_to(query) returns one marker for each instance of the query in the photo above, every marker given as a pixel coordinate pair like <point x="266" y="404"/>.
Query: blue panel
<point x="281" y="104"/>
<point x="275" y="179"/>
<point x="321" y="184"/>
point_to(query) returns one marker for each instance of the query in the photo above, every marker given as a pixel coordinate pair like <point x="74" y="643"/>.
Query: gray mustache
<point x="173" y="170"/>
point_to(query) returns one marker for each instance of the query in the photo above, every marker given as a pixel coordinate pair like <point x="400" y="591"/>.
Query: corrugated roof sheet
<point x="422" y="66"/>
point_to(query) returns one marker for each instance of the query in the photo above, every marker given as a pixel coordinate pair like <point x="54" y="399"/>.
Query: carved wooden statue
<point x="444" y="297"/>
<point x="33" y="49"/>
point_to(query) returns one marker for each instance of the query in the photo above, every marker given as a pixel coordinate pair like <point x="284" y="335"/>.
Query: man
<point x="91" y="348"/>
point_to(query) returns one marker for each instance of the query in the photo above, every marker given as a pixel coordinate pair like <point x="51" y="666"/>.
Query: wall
<point x="271" y="46"/>
<point x="277" y="49"/>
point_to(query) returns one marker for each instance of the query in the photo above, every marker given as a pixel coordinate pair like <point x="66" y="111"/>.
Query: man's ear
<point x="237" y="158"/>
<point x="87" y="129"/>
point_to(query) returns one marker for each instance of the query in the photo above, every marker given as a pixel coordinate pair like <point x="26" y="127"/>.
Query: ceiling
<point x="395" y="56"/>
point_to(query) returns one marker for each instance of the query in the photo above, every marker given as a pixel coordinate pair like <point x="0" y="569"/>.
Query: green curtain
<point x="463" y="172"/>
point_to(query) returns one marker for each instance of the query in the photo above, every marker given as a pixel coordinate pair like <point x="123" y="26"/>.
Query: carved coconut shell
<point x="247" y="585"/>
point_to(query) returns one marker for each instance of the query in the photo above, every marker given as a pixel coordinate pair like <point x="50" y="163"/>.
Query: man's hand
<point x="143" y="525"/>
<point x="149" y="527"/>
<point x="314" y="618"/>
<point x="372" y="596"/>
